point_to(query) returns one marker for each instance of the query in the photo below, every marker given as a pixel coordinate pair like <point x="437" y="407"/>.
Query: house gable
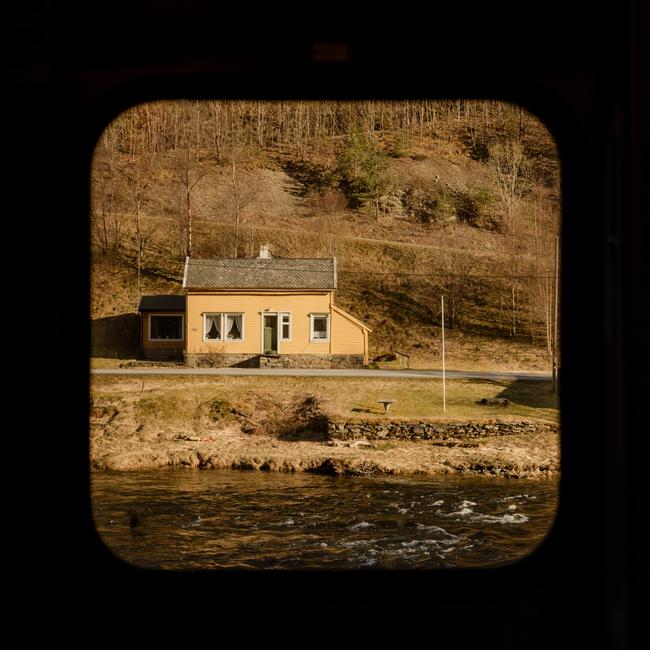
<point x="351" y="318"/>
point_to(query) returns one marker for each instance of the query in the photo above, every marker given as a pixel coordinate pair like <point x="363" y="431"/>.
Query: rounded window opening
<point x="347" y="311"/>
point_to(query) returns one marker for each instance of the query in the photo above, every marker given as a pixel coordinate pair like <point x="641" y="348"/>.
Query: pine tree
<point x="362" y="168"/>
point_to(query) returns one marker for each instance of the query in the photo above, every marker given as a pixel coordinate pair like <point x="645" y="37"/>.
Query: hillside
<point x="456" y="207"/>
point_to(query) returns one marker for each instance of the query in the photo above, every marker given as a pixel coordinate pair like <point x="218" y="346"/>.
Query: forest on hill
<point x="416" y="199"/>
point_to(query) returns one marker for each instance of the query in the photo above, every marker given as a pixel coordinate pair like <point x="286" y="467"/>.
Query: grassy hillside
<point x="417" y="213"/>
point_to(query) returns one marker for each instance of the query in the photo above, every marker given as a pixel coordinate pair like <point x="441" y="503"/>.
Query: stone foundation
<point x="311" y="361"/>
<point x="223" y="360"/>
<point x="424" y="430"/>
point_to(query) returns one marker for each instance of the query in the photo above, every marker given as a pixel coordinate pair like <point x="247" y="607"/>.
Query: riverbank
<point x="284" y="426"/>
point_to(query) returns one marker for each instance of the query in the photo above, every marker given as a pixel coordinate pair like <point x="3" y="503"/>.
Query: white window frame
<point x="222" y="326"/>
<point x="182" y="317"/>
<point x="282" y="314"/>
<point x="313" y="339"/>
<point x="205" y="334"/>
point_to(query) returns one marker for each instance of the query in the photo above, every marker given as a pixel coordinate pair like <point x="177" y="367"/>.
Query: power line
<point x="446" y="275"/>
<point x="490" y="276"/>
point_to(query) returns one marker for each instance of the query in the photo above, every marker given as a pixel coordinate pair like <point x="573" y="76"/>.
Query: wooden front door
<point x="270" y="345"/>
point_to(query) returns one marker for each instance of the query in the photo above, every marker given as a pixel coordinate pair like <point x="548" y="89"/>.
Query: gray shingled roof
<point x="162" y="303"/>
<point x="260" y="273"/>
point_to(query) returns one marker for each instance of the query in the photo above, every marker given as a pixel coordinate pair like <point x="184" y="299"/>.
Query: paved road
<point x="314" y="372"/>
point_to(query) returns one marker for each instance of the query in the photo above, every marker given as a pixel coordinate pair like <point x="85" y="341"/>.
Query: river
<point x="193" y="519"/>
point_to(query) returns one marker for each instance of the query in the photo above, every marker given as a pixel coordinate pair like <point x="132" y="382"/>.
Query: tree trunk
<point x="513" y="326"/>
<point x="237" y="208"/>
<point x="188" y="190"/>
<point x="189" y="226"/>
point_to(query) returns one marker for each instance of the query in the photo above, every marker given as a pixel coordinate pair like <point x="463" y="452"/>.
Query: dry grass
<point x="347" y="397"/>
<point x="189" y="422"/>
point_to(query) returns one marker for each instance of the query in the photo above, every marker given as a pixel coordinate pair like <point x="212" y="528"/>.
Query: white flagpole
<point x="444" y="387"/>
<point x="557" y="283"/>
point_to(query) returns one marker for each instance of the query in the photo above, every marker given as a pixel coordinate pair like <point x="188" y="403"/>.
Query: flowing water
<point x="190" y="519"/>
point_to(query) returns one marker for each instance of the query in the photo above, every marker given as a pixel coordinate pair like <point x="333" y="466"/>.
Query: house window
<point x="286" y="327"/>
<point x="166" y="328"/>
<point x="234" y="326"/>
<point x="223" y="327"/>
<point x="212" y="327"/>
<point x="320" y="327"/>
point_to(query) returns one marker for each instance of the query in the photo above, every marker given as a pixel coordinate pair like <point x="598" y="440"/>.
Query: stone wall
<point x="426" y="430"/>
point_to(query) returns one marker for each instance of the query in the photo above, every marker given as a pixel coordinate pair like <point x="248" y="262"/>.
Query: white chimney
<point x="264" y="252"/>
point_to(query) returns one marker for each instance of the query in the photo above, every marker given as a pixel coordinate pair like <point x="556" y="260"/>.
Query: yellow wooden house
<point x="265" y="311"/>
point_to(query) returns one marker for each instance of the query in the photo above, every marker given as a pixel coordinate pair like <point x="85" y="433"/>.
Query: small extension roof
<point x="260" y="273"/>
<point x="161" y="303"/>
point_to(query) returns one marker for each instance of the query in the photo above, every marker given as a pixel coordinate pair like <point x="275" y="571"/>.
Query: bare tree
<point x="189" y="174"/>
<point x="108" y="225"/>
<point x="509" y="170"/>
<point x="251" y="229"/>
<point x="244" y="189"/>
<point x="328" y="235"/>
<point x="544" y="230"/>
<point x="237" y="204"/>
<point x="454" y="280"/>
<point x="143" y="233"/>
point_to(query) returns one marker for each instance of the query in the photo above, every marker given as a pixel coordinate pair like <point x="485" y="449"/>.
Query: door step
<point x="270" y="361"/>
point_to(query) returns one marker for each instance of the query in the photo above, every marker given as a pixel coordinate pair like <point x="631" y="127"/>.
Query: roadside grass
<point x="129" y="359"/>
<point x="424" y="399"/>
<point x="176" y="400"/>
<point x="107" y="362"/>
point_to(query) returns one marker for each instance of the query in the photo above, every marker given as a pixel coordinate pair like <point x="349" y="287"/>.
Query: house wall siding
<point x="348" y="338"/>
<point x="252" y="304"/>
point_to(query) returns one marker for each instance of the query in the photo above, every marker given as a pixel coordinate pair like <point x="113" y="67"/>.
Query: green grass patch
<point x="424" y="399"/>
<point x="161" y="406"/>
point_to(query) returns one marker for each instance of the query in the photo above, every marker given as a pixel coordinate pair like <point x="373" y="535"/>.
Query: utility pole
<point x="555" y="368"/>
<point x="444" y="387"/>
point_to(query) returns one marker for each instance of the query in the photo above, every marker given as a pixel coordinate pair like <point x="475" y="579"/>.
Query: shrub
<point x="472" y="209"/>
<point x="219" y="410"/>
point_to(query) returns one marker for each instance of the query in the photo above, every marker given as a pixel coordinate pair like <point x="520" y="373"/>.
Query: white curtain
<point x="233" y="326"/>
<point x="213" y="323"/>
